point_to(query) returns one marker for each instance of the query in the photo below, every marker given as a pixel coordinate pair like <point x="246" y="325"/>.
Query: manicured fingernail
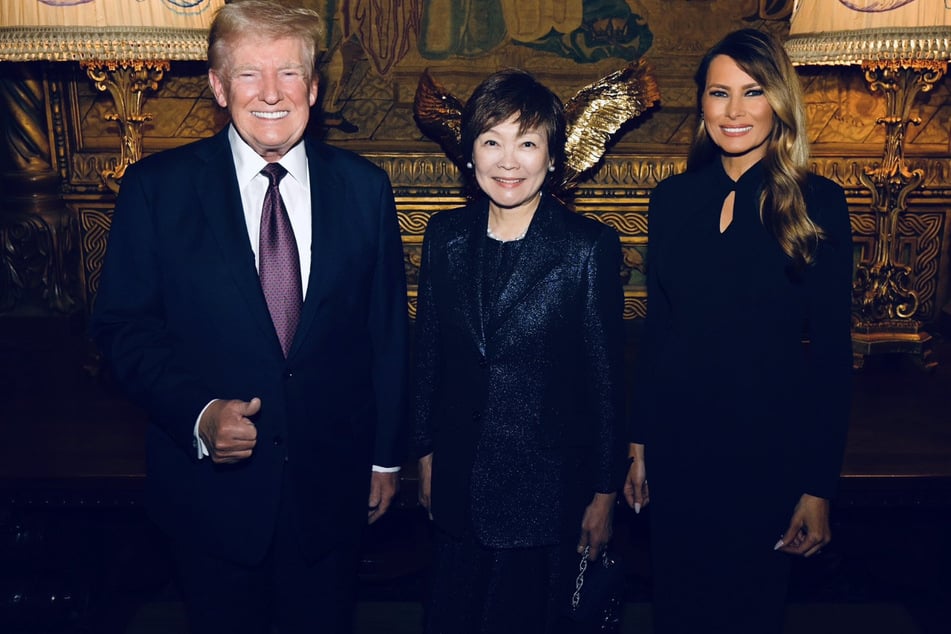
<point x="779" y="545"/>
<point x="637" y="507"/>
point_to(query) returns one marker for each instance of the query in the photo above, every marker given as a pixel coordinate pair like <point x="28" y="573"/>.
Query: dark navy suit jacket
<point x="181" y="319"/>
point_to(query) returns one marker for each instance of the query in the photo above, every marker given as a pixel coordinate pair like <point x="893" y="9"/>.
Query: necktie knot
<point x="274" y="172"/>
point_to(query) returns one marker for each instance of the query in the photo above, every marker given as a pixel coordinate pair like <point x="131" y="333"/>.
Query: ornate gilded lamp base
<point x="890" y="336"/>
<point x="883" y="300"/>
<point x="127" y="83"/>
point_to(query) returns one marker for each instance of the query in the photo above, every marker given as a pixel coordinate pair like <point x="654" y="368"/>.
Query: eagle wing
<point x="599" y="110"/>
<point x="439" y="116"/>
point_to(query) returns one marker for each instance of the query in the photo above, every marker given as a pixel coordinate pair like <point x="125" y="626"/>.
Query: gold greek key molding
<point x="635" y="307"/>
<point x="94" y="224"/>
<point x="847" y="173"/>
<point x="919" y="238"/>
<point x="632" y="224"/>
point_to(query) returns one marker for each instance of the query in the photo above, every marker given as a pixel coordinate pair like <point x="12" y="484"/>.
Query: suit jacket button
<point x="476" y="415"/>
<point x="289" y="374"/>
<point x="278" y="441"/>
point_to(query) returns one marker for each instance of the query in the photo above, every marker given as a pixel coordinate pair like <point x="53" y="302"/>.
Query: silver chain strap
<point x="579" y="581"/>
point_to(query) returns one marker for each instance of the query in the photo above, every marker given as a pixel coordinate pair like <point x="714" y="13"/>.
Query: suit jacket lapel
<point x="220" y="200"/>
<point x="326" y="195"/>
<point x="465" y="252"/>
<point x="540" y="250"/>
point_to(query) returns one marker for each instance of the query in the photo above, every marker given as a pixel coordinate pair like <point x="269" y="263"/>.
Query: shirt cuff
<point x="379" y="469"/>
<point x="199" y="444"/>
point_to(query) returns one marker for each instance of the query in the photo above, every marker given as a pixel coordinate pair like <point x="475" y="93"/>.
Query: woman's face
<point x="511" y="166"/>
<point x="736" y="114"/>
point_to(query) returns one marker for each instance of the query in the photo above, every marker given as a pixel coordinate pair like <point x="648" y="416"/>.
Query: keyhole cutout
<point x="726" y="212"/>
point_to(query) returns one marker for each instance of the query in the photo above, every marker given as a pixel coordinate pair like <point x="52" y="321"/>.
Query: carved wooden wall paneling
<point x="38" y="270"/>
<point x="36" y="262"/>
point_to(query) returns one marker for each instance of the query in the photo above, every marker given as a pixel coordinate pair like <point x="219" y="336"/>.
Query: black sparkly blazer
<point x="522" y="404"/>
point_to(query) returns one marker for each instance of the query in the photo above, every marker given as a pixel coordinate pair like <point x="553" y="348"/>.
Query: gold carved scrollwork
<point x="885" y="305"/>
<point x="881" y="286"/>
<point x="127" y="83"/>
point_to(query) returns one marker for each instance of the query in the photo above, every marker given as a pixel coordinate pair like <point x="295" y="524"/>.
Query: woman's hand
<point x="426" y="483"/>
<point x="597" y="525"/>
<point x="635" y="486"/>
<point x="808" y="529"/>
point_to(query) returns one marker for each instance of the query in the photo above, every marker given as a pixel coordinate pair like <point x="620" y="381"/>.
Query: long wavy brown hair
<point x="782" y="205"/>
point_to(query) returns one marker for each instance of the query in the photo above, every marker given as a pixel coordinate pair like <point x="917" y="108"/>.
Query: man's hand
<point x="597" y="525"/>
<point x="808" y="529"/>
<point x="227" y="431"/>
<point x="635" y="486"/>
<point x="426" y="483"/>
<point x="383" y="486"/>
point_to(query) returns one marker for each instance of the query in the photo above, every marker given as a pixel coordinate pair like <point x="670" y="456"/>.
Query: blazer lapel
<point x="219" y="199"/>
<point x="326" y="195"/>
<point x="541" y="249"/>
<point x="465" y="253"/>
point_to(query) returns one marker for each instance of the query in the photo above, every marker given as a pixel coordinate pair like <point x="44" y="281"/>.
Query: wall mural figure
<point x="772" y="10"/>
<point x="386" y="29"/>
<point x="609" y="28"/>
<point x="581" y="30"/>
<point x="461" y="28"/>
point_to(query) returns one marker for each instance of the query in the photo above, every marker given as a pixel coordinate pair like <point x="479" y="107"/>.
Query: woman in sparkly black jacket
<point x="519" y="355"/>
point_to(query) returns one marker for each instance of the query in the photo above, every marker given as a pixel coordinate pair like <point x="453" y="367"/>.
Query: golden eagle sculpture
<point x="594" y="114"/>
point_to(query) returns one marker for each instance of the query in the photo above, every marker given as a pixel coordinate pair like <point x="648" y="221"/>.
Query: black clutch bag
<point x="597" y="599"/>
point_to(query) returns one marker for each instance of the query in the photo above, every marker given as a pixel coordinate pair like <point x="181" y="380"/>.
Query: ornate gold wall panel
<point x="367" y="94"/>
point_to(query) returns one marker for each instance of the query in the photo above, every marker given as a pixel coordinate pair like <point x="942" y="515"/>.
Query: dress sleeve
<point x="643" y="407"/>
<point x="425" y="352"/>
<point x="388" y="331"/>
<point x="604" y="357"/>
<point x="828" y="320"/>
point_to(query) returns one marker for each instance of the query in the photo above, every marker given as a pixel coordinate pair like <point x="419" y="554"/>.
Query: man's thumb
<point x="252" y="407"/>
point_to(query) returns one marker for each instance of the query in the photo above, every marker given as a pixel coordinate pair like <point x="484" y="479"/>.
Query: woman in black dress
<point x="518" y="373"/>
<point x="741" y="423"/>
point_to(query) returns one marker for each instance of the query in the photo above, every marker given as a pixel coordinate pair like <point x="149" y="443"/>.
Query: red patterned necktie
<point x="279" y="261"/>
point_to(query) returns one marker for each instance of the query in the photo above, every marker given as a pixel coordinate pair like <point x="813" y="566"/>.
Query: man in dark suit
<point x="275" y="401"/>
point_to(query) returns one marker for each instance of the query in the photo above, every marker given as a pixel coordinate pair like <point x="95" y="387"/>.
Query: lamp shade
<point x="105" y="30"/>
<point x="846" y="32"/>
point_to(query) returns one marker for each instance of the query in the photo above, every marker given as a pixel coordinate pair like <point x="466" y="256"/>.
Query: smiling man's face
<point x="268" y="91"/>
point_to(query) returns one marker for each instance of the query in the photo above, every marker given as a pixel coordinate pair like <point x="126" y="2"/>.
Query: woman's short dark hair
<point x="516" y="92"/>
